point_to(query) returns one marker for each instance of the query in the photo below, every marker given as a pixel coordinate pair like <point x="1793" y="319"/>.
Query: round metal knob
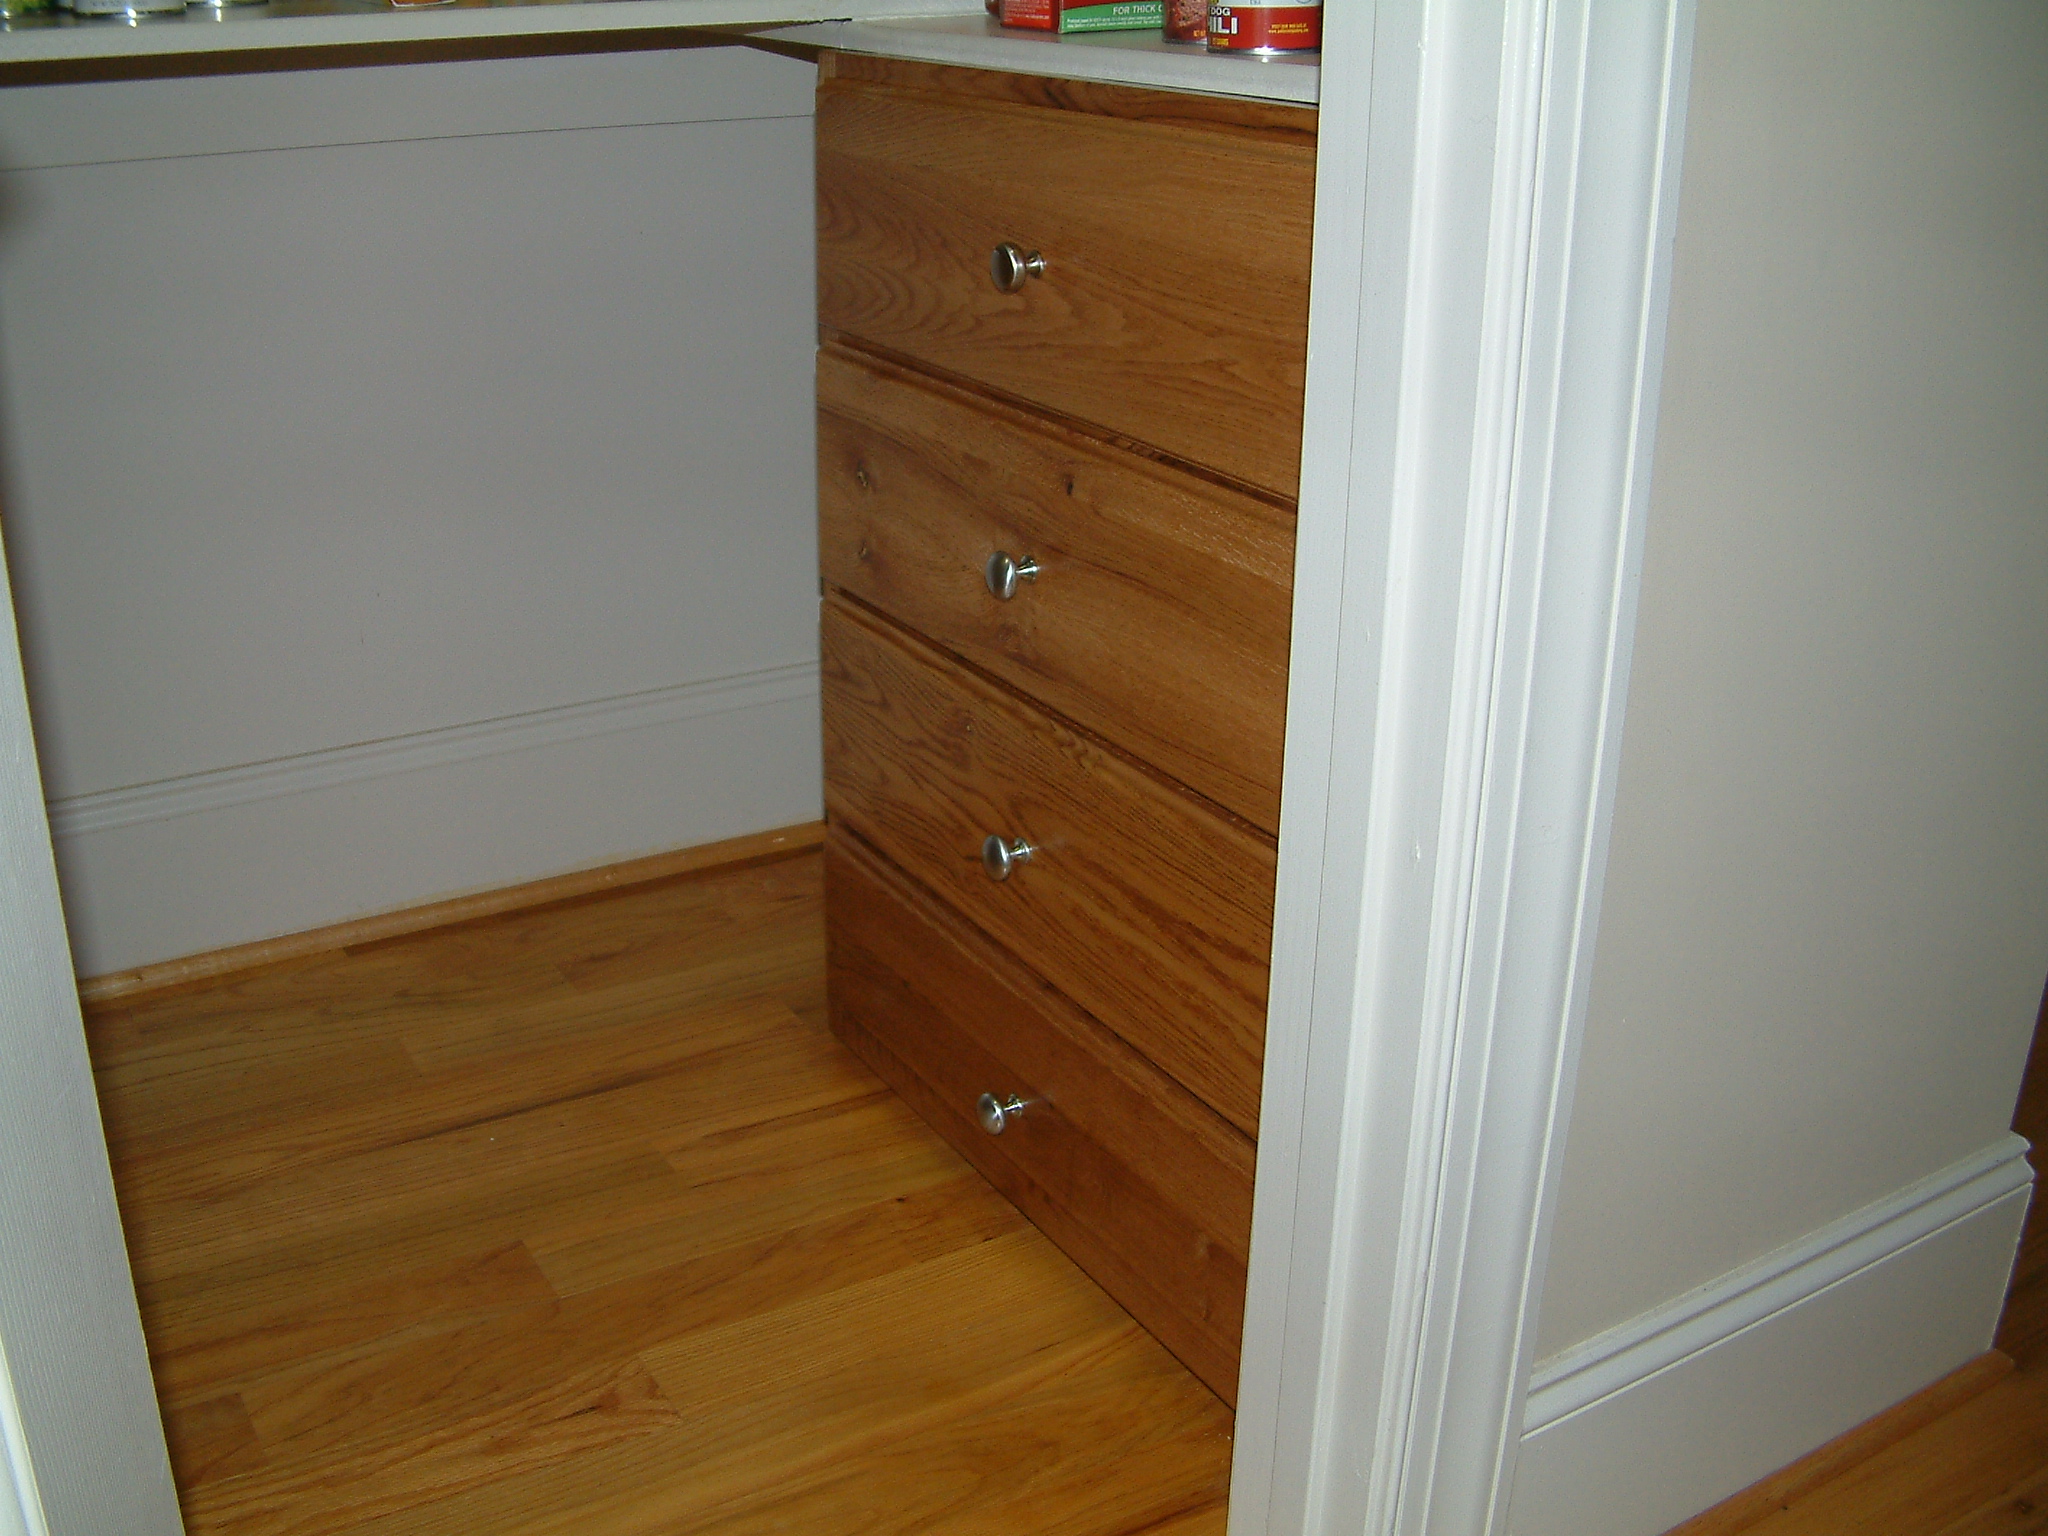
<point x="996" y="1114"/>
<point x="1003" y="573"/>
<point x="1000" y="855"/>
<point x="1009" y="264"/>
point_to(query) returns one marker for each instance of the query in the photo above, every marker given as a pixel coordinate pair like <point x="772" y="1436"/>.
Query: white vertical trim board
<point x="1493" y="231"/>
<point x="1644" y="1426"/>
<point x="21" y="1503"/>
<point x="90" y="1453"/>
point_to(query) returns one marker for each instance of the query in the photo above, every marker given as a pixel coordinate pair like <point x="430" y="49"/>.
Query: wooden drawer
<point x="1174" y="304"/>
<point x="1159" y="617"/>
<point x="1145" y="1189"/>
<point x="1150" y="911"/>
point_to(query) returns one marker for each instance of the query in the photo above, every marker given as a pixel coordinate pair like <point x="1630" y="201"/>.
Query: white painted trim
<point x="1493" y="231"/>
<point x="1760" y="1391"/>
<point x="1665" y="1336"/>
<point x="21" y="1502"/>
<point x="86" y="1444"/>
<point x="249" y="783"/>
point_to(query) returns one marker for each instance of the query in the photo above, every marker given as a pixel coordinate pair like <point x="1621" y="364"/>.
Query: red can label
<point x="1187" y="21"/>
<point x="1239" y="28"/>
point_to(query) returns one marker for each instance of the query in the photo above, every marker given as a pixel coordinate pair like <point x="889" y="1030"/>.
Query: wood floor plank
<point x="775" y="1196"/>
<point x="237" y="1342"/>
<point x="385" y="1113"/>
<point x="784" y="1386"/>
<point x="1208" y="1521"/>
<point x="527" y="1160"/>
<point x="1975" y="1452"/>
<point x="578" y="1220"/>
<point x="211" y="1440"/>
<point x="2021" y="1510"/>
<point x="567" y="1416"/>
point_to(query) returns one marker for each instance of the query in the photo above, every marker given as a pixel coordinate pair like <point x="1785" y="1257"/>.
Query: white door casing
<point x="84" y="1445"/>
<point x="1496" y="197"/>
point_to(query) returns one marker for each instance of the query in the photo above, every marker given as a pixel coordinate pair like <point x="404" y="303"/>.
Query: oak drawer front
<point x="1148" y="910"/>
<point x="1159" y="613"/>
<point x="1145" y="1189"/>
<point x="1173" y="306"/>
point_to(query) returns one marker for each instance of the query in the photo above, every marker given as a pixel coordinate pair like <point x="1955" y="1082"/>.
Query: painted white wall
<point x="1825" y="928"/>
<point x="348" y="410"/>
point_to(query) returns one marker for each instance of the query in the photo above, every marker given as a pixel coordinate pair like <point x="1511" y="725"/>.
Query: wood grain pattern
<point x="1160" y="617"/>
<point x="1151" y="912"/>
<point x="684" y="1264"/>
<point x="1147" y="1189"/>
<point x="1787" y="1486"/>
<point x="1264" y="119"/>
<point x="216" y="963"/>
<point x="1174" y="306"/>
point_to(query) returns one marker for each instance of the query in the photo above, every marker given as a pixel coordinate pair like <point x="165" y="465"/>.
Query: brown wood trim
<point x="432" y="50"/>
<point x="1784" y="1487"/>
<point x="929" y="375"/>
<point x="755" y="847"/>
<point x="1261" y="119"/>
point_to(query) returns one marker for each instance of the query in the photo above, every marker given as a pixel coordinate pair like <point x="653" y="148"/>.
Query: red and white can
<point x="1265" y="26"/>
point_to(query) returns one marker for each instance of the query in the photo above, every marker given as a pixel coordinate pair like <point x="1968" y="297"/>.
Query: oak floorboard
<point x="213" y="1439"/>
<point x="577" y="1219"/>
<point x="258" y="1333"/>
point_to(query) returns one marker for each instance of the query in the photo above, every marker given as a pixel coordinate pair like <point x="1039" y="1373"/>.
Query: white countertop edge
<point x="1119" y="58"/>
<point x="246" y="30"/>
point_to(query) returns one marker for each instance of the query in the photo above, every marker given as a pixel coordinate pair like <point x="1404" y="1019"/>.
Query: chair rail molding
<point x="1496" y="200"/>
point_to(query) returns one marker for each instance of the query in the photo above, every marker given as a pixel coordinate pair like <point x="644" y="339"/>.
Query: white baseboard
<point x="1644" y="1426"/>
<point x="218" y="859"/>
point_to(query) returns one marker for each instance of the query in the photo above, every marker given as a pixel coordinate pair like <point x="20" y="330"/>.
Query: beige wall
<point x="1825" y="928"/>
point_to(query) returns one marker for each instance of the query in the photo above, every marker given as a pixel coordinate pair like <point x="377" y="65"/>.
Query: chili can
<point x="1265" y="27"/>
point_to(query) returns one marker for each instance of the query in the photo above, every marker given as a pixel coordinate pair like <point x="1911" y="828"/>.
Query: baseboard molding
<point x="1645" y="1426"/>
<point x="750" y="849"/>
<point x="425" y="822"/>
<point x="223" y="788"/>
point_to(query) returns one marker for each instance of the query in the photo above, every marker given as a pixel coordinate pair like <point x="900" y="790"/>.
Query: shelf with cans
<point x="1253" y="27"/>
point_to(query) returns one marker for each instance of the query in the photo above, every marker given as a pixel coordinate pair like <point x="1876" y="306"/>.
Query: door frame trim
<point x="1496" y="203"/>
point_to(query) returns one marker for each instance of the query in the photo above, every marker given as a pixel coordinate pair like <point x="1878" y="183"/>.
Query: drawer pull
<point x="1009" y="264"/>
<point x="996" y="1114"/>
<point x="1000" y="855"/>
<point x="1003" y="573"/>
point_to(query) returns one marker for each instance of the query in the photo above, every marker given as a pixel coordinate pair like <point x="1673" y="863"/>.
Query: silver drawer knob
<point x="1000" y="855"/>
<point x="1009" y="264"/>
<point x="996" y="1114"/>
<point x="1002" y="573"/>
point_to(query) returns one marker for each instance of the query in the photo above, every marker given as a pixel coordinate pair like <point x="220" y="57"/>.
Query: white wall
<point x="409" y="480"/>
<point x="1825" y="928"/>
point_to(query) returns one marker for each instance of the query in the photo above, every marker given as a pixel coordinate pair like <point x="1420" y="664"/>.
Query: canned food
<point x="1187" y="21"/>
<point x="1265" y="26"/>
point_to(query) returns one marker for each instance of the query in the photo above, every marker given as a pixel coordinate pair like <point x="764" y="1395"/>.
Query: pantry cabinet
<point x="1059" y="406"/>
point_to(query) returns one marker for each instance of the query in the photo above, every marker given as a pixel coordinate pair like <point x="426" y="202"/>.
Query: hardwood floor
<point x="1970" y="1457"/>
<point x="577" y="1219"/>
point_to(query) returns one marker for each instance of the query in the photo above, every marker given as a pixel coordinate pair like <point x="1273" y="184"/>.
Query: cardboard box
<point x="1081" y="15"/>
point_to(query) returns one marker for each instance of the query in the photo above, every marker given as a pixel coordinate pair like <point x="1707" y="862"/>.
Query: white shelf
<point x="209" y="30"/>
<point x="1124" y="58"/>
